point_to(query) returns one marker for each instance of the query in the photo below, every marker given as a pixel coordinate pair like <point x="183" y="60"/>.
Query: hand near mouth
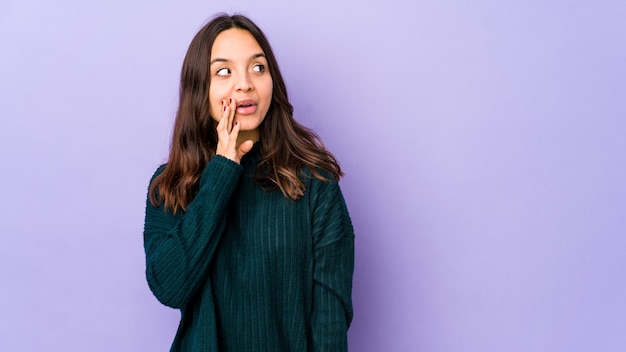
<point x="227" y="133"/>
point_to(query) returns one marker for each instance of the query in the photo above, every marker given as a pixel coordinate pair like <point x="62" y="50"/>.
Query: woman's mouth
<point x="246" y="107"/>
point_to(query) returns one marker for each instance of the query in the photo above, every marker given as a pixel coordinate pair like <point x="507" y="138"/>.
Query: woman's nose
<point x="243" y="83"/>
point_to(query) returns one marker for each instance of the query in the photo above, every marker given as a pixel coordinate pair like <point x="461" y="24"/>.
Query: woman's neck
<point x="251" y="135"/>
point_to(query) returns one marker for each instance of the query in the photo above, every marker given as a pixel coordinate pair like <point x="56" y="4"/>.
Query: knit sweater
<point x="251" y="270"/>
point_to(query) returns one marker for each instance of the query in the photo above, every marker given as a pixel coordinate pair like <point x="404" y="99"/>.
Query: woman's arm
<point x="179" y="248"/>
<point x="333" y="266"/>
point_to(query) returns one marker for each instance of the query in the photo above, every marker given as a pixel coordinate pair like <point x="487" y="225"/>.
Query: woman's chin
<point x="249" y="124"/>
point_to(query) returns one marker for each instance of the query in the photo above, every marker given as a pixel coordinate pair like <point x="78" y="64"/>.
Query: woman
<point x="246" y="229"/>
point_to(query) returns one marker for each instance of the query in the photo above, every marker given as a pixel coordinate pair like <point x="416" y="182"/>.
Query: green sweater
<point x="251" y="270"/>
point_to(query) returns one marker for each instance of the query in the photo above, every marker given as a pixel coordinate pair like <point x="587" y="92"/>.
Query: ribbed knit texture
<point x="251" y="270"/>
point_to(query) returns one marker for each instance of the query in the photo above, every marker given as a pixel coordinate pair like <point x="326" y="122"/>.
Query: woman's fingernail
<point x="230" y="101"/>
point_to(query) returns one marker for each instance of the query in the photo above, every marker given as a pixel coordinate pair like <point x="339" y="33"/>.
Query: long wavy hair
<point x="286" y="146"/>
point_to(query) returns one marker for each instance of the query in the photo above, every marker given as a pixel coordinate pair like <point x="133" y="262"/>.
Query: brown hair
<point x="286" y="146"/>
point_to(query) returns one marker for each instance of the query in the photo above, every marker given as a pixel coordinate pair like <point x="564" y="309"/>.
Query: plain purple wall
<point x="484" y="144"/>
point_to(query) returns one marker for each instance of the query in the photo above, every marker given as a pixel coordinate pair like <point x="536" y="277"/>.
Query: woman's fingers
<point x="232" y="136"/>
<point x="244" y="148"/>
<point x="228" y="131"/>
<point x="231" y="114"/>
<point x="230" y="124"/>
<point x="223" y="122"/>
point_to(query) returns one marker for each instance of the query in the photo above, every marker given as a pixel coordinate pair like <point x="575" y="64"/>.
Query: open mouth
<point x="245" y="107"/>
<point x="245" y="104"/>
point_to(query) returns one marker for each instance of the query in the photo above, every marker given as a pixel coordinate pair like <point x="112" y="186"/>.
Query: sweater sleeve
<point x="333" y="266"/>
<point x="179" y="248"/>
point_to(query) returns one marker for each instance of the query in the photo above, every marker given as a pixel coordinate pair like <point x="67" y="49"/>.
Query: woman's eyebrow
<point x="219" y="59"/>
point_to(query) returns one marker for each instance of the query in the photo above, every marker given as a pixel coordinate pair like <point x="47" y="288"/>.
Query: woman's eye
<point x="258" y="68"/>
<point x="223" y="72"/>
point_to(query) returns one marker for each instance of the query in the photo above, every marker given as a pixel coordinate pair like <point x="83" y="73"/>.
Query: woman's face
<point x="239" y="71"/>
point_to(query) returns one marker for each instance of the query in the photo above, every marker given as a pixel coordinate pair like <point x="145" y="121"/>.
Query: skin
<point x="239" y="75"/>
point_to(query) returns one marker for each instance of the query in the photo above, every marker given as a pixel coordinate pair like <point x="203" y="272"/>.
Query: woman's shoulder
<point x="158" y="171"/>
<point x="319" y="175"/>
<point x="320" y="184"/>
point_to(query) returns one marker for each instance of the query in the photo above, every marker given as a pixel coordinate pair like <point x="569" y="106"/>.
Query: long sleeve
<point x="179" y="248"/>
<point x="333" y="266"/>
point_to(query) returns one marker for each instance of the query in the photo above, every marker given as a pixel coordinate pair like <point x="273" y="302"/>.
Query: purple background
<point x="484" y="144"/>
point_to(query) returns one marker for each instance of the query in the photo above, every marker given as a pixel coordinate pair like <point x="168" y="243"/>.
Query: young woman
<point x="246" y="229"/>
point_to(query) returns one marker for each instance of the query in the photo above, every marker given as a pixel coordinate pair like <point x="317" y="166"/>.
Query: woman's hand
<point x="227" y="133"/>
